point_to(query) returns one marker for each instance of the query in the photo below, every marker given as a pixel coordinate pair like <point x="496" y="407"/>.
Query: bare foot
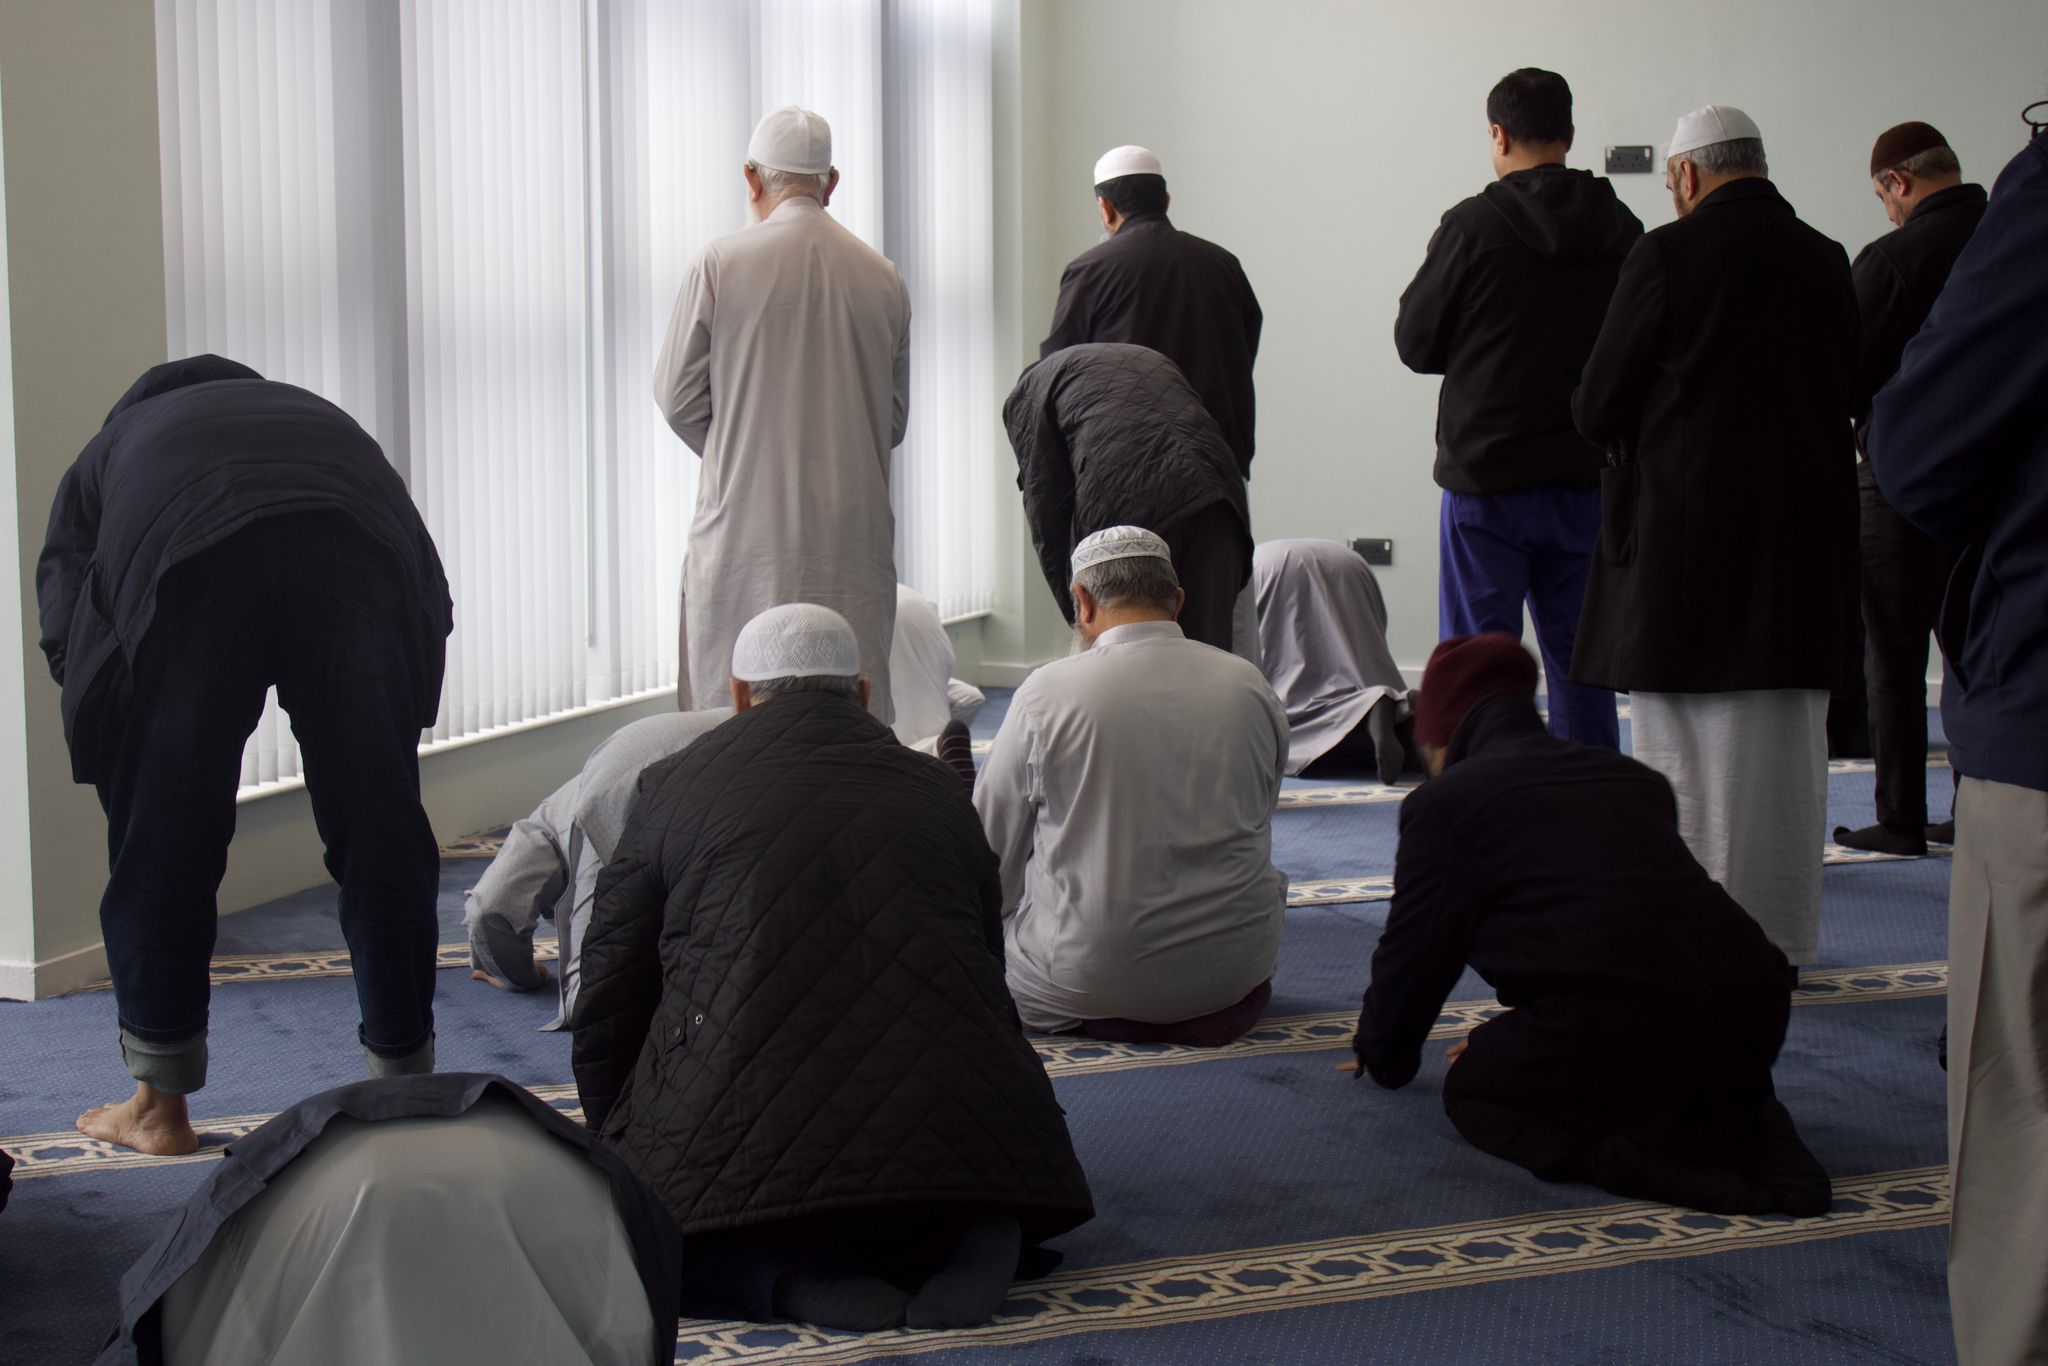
<point x="540" y="972"/>
<point x="150" y="1121"/>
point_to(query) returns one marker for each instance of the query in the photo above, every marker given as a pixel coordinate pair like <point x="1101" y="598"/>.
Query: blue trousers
<point x="1500" y="550"/>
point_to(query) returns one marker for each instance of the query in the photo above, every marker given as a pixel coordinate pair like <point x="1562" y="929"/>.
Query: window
<point x="465" y="221"/>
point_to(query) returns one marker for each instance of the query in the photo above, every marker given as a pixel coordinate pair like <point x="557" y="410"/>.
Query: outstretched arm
<point x="1423" y="951"/>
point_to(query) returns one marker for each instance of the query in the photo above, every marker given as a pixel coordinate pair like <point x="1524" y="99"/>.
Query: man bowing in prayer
<point x="1723" y="594"/>
<point x="1130" y="796"/>
<point x="787" y="368"/>
<point x="1153" y="285"/>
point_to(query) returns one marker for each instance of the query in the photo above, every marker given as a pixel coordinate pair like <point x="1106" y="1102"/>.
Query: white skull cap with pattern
<point x="1707" y="126"/>
<point x="793" y="140"/>
<point x="1128" y="160"/>
<point x="796" y="640"/>
<point x="1119" y="543"/>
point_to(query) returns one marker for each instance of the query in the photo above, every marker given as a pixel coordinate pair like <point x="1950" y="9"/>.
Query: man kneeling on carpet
<point x="1645" y="1006"/>
<point x="792" y="1022"/>
<point x="1130" y="796"/>
<point x="371" y="1224"/>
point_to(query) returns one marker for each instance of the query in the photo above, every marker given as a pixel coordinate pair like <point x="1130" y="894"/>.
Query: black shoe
<point x="1942" y="832"/>
<point x="1882" y="839"/>
<point x="957" y="749"/>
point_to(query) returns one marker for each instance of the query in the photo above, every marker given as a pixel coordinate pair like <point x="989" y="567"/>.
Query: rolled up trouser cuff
<point x="177" y="1068"/>
<point x="421" y="1059"/>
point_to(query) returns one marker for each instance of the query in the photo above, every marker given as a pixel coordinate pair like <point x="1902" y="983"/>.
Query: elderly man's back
<point x="1130" y="796"/>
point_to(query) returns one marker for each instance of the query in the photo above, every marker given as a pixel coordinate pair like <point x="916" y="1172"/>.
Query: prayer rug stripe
<point x="56" y="1154"/>
<point x="1181" y="1290"/>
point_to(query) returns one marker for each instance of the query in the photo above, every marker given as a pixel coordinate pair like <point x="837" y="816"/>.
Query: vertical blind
<point x="465" y="222"/>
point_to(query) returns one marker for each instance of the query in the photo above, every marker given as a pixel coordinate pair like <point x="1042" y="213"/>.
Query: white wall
<point x="1320" y="141"/>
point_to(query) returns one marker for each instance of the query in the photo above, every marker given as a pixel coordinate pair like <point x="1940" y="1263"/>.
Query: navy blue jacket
<point x="1959" y="443"/>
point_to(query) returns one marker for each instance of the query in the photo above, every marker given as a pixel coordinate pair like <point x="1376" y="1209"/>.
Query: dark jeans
<point x="1209" y="560"/>
<point x="1904" y="576"/>
<point x="312" y="605"/>
<point x="1497" y="551"/>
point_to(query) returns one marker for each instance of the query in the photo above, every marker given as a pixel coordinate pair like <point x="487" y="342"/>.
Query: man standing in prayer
<point x="1505" y="308"/>
<point x="1150" y="284"/>
<point x="224" y="534"/>
<point x="787" y="368"/>
<point x="1959" y="441"/>
<point x="1723" y="594"/>
<point x="1920" y="183"/>
<point x="1112" y="435"/>
<point x="1323" y="646"/>
<point x="1644" y="1007"/>
<point x="793" y="1025"/>
<point x="1129" y="796"/>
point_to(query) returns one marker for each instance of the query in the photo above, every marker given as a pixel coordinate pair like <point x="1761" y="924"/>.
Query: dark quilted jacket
<point x="1113" y="435"/>
<point x="793" y="996"/>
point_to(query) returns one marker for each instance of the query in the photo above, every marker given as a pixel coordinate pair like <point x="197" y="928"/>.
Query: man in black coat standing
<point x="1150" y="284"/>
<point x="1112" y="435"/>
<point x="793" y="1022"/>
<point x="224" y="534"/>
<point x="1505" y="307"/>
<point x="1920" y="183"/>
<point x="1644" y="1007"/>
<point x="1723" y="594"/>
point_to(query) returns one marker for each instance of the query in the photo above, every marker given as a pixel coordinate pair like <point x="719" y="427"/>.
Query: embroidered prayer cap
<point x="1896" y="146"/>
<point x="1118" y="543"/>
<point x="1118" y="162"/>
<point x="793" y="140"/>
<point x="796" y="640"/>
<point x="1463" y="672"/>
<point x="1712" y="124"/>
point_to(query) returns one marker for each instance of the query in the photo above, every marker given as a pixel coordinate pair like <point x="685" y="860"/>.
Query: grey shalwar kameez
<point x="1323" y="643"/>
<point x="787" y="368"/>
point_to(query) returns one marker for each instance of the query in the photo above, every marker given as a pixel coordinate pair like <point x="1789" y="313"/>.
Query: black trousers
<point x="1904" y="576"/>
<point x="307" y="603"/>
<point x="1209" y="559"/>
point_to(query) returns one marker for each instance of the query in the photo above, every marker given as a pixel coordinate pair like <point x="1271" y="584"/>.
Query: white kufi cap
<point x="1705" y="127"/>
<point x="796" y="640"/>
<point x="1123" y="161"/>
<point x="1119" y="543"/>
<point x="793" y="140"/>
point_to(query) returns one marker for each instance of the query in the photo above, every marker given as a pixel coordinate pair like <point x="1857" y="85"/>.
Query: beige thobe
<point x="1130" y="795"/>
<point x="787" y="368"/>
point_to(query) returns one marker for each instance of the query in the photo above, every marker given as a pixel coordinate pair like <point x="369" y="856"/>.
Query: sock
<point x="958" y="750"/>
<point x="1942" y="832"/>
<point x="856" y="1304"/>
<point x="1881" y="839"/>
<point x="974" y="1282"/>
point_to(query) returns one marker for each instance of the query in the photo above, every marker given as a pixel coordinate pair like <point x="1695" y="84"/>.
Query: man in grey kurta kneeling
<point x="1130" y="796"/>
<point x="787" y="368"/>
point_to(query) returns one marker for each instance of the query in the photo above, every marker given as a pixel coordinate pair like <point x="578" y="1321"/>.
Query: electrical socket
<point x="1375" y="549"/>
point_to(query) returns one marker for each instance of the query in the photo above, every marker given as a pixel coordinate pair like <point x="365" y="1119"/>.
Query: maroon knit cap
<point x="1902" y="144"/>
<point x="1463" y="672"/>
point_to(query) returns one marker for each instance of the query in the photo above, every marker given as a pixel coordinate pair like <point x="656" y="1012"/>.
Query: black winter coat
<point x="253" y="1162"/>
<point x="1557" y="872"/>
<point x="1110" y="435"/>
<point x="1899" y="276"/>
<point x="1153" y="285"/>
<point x="793" y="997"/>
<point x="1721" y="387"/>
<point x="193" y="452"/>
<point x="1505" y="307"/>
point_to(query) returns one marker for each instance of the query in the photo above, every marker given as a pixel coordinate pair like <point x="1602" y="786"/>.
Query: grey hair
<point x="1932" y="164"/>
<point x="781" y="185"/>
<point x="1134" y="581"/>
<point x="830" y="684"/>
<point x="1737" y="156"/>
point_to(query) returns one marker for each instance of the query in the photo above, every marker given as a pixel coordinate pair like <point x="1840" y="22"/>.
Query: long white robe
<point x="921" y="673"/>
<point x="1323" y="638"/>
<point x="787" y="368"/>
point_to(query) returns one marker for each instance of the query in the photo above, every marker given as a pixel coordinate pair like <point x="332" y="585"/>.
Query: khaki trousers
<point x="1998" y="1074"/>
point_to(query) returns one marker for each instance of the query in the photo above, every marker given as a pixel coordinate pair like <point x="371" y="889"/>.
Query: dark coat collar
<point x="1501" y="719"/>
<point x="1954" y="197"/>
<point x="1742" y="191"/>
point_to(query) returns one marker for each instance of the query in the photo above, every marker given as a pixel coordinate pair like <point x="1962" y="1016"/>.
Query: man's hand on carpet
<point x="1457" y="1050"/>
<point x="150" y="1121"/>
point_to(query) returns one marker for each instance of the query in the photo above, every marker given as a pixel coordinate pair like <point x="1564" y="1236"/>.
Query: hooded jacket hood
<point x="1562" y="214"/>
<point x="172" y="375"/>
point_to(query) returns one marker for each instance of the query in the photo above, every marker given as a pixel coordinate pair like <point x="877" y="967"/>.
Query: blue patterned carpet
<point x="1255" y="1204"/>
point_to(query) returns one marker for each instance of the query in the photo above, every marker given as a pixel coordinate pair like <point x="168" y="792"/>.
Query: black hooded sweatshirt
<point x="1506" y="307"/>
